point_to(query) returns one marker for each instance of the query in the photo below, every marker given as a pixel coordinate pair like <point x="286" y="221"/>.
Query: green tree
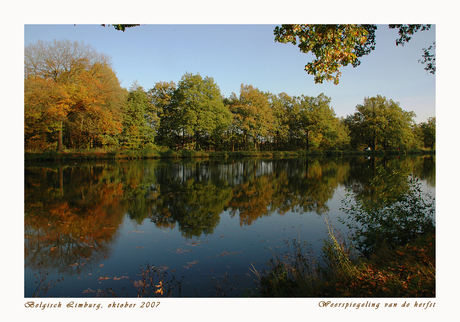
<point x="306" y="122"/>
<point x="282" y="106"/>
<point x="316" y="120"/>
<point x="336" y="46"/>
<point x="139" y="119"/>
<point x="232" y="134"/>
<point x="200" y="111"/>
<point x="380" y="123"/>
<point x="161" y="97"/>
<point x="429" y="132"/>
<point x="336" y="135"/>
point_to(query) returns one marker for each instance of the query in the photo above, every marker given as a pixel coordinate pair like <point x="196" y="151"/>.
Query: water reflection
<point x="376" y="179"/>
<point x="393" y="221"/>
<point x="71" y="217"/>
<point x="73" y="212"/>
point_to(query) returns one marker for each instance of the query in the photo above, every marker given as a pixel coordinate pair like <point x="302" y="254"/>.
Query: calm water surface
<point x="206" y="224"/>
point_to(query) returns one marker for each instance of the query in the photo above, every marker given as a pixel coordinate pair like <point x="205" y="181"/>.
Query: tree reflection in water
<point x="73" y="212"/>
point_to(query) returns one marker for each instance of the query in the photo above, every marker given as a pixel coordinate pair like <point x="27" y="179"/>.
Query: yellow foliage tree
<point x="71" y="90"/>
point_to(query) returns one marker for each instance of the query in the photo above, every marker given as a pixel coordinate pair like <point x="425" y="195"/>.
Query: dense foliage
<point x="73" y="100"/>
<point x="336" y="46"/>
<point x="71" y="96"/>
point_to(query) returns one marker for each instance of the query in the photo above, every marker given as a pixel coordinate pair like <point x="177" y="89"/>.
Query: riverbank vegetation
<point x="100" y="154"/>
<point x="404" y="271"/>
<point x="391" y="253"/>
<point x="73" y="101"/>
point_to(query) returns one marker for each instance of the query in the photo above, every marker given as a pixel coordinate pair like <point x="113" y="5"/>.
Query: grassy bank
<point x="97" y="155"/>
<point x="404" y="271"/>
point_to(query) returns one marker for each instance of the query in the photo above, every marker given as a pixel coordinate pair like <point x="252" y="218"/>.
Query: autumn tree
<point x="336" y="46"/>
<point x="69" y="89"/>
<point x="46" y="106"/>
<point x="253" y="116"/>
<point x="95" y="115"/>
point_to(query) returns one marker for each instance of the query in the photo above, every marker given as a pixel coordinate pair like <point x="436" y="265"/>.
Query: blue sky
<point x="236" y="53"/>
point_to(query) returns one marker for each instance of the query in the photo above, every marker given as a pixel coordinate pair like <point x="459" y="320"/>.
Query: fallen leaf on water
<point x="190" y="264"/>
<point x="160" y="288"/>
<point x="88" y="290"/>
<point x="195" y="242"/>
<point x="229" y="253"/>
<point x="140" y="284"/>
<point x="183" y="251"/>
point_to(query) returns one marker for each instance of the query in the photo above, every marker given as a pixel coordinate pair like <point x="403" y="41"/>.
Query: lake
<point x="204" y="226"/>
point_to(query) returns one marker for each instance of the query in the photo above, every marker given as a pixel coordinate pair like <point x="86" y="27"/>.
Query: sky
<point x="235" y="54"/>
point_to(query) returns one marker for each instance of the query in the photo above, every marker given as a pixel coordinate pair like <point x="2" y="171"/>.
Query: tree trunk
<point x="307" y="143"/>
<point x="59" y="147"/>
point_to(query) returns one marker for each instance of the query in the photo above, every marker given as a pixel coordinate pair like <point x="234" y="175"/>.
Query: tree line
<point x="73" y="100"/>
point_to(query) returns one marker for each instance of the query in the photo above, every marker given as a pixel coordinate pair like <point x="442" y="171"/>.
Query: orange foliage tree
<point x="71" y="95"/>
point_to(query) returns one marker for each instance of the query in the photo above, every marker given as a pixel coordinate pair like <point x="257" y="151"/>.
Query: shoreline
<point x="190" y="154"/>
